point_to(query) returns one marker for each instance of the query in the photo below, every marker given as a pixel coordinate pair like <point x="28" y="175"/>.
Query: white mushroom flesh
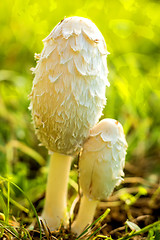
<point x="102" y="160"/>
<point x="68" y="93"/>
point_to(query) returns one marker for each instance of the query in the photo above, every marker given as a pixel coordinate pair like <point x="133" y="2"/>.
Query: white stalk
<point x="55" y="208"/>
<point x="85" y="215"/>
<point x="101" y="166"/>
<point x="67" y="99"/>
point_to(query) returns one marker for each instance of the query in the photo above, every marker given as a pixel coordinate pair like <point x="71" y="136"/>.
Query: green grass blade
<point x="3" y="205"/>
<point x="143" y="230"/>
<point x="27" y="150"/>
<point x="31" y="204"/>
<point x="94" y="233"/>
<point x="100" y="219"/>
<point x="22" y="208"/>
<point x="8" y="200"/>
<point x="9" y="228"/>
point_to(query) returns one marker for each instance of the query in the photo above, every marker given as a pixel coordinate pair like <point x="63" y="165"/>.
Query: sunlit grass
<point x="9" y="182"/>
<point x="131" y="29"/>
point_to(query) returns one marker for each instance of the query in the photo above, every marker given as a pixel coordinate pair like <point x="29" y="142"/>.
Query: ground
<point x="135" y="205"/>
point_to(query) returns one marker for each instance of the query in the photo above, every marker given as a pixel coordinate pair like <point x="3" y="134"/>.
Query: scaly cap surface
<point x="68" y="93"/>
<point x="102" y="160"/>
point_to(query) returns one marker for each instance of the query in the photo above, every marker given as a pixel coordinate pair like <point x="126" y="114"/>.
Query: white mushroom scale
<point x="67" y="99"/>
<point x="100" y="168"/>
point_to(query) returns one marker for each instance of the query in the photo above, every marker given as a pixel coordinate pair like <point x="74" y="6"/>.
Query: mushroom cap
<point x="68" y="93"/>
<point x="102" y="160"/>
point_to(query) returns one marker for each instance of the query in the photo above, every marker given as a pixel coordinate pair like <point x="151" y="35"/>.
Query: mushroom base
<point x="85" y="215"/>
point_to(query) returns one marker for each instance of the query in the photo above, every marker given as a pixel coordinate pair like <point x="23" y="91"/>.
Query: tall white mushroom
<point x="67" y="99"/>
<point x="100" y="168"/>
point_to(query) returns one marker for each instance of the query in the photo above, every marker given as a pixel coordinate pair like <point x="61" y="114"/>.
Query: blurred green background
<point x="132" y="33"/>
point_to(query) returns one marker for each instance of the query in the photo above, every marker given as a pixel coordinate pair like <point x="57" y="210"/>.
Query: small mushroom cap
<point x="102" y="160"/>
<point x="68" y="93"/>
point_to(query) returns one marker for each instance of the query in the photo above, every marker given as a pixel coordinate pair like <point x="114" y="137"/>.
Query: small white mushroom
<point x="100" y="168"/>
<point x="67" y="99"/>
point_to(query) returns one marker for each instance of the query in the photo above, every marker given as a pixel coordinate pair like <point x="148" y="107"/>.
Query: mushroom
<point x="101" y="166"/>
<point x="67" y="99"/>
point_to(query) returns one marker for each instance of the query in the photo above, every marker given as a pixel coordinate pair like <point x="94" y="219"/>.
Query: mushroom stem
<point x="85" y="214"/>
<point x="55" y="208"/>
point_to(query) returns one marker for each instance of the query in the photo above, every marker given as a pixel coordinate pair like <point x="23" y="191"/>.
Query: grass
<point x="7" y="208"/>
<point x="22" y="232"/>
<point x="123" y="200"/>
<point x="131" y="29"/>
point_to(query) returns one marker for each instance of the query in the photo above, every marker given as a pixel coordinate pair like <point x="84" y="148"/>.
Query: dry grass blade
<point x="9" y="231"/>
<point x="46" y="230"/>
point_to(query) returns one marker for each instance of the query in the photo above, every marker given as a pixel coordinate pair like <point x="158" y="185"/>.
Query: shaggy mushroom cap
<point x="102" y="160"/>
<point x="68" y="93"/>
